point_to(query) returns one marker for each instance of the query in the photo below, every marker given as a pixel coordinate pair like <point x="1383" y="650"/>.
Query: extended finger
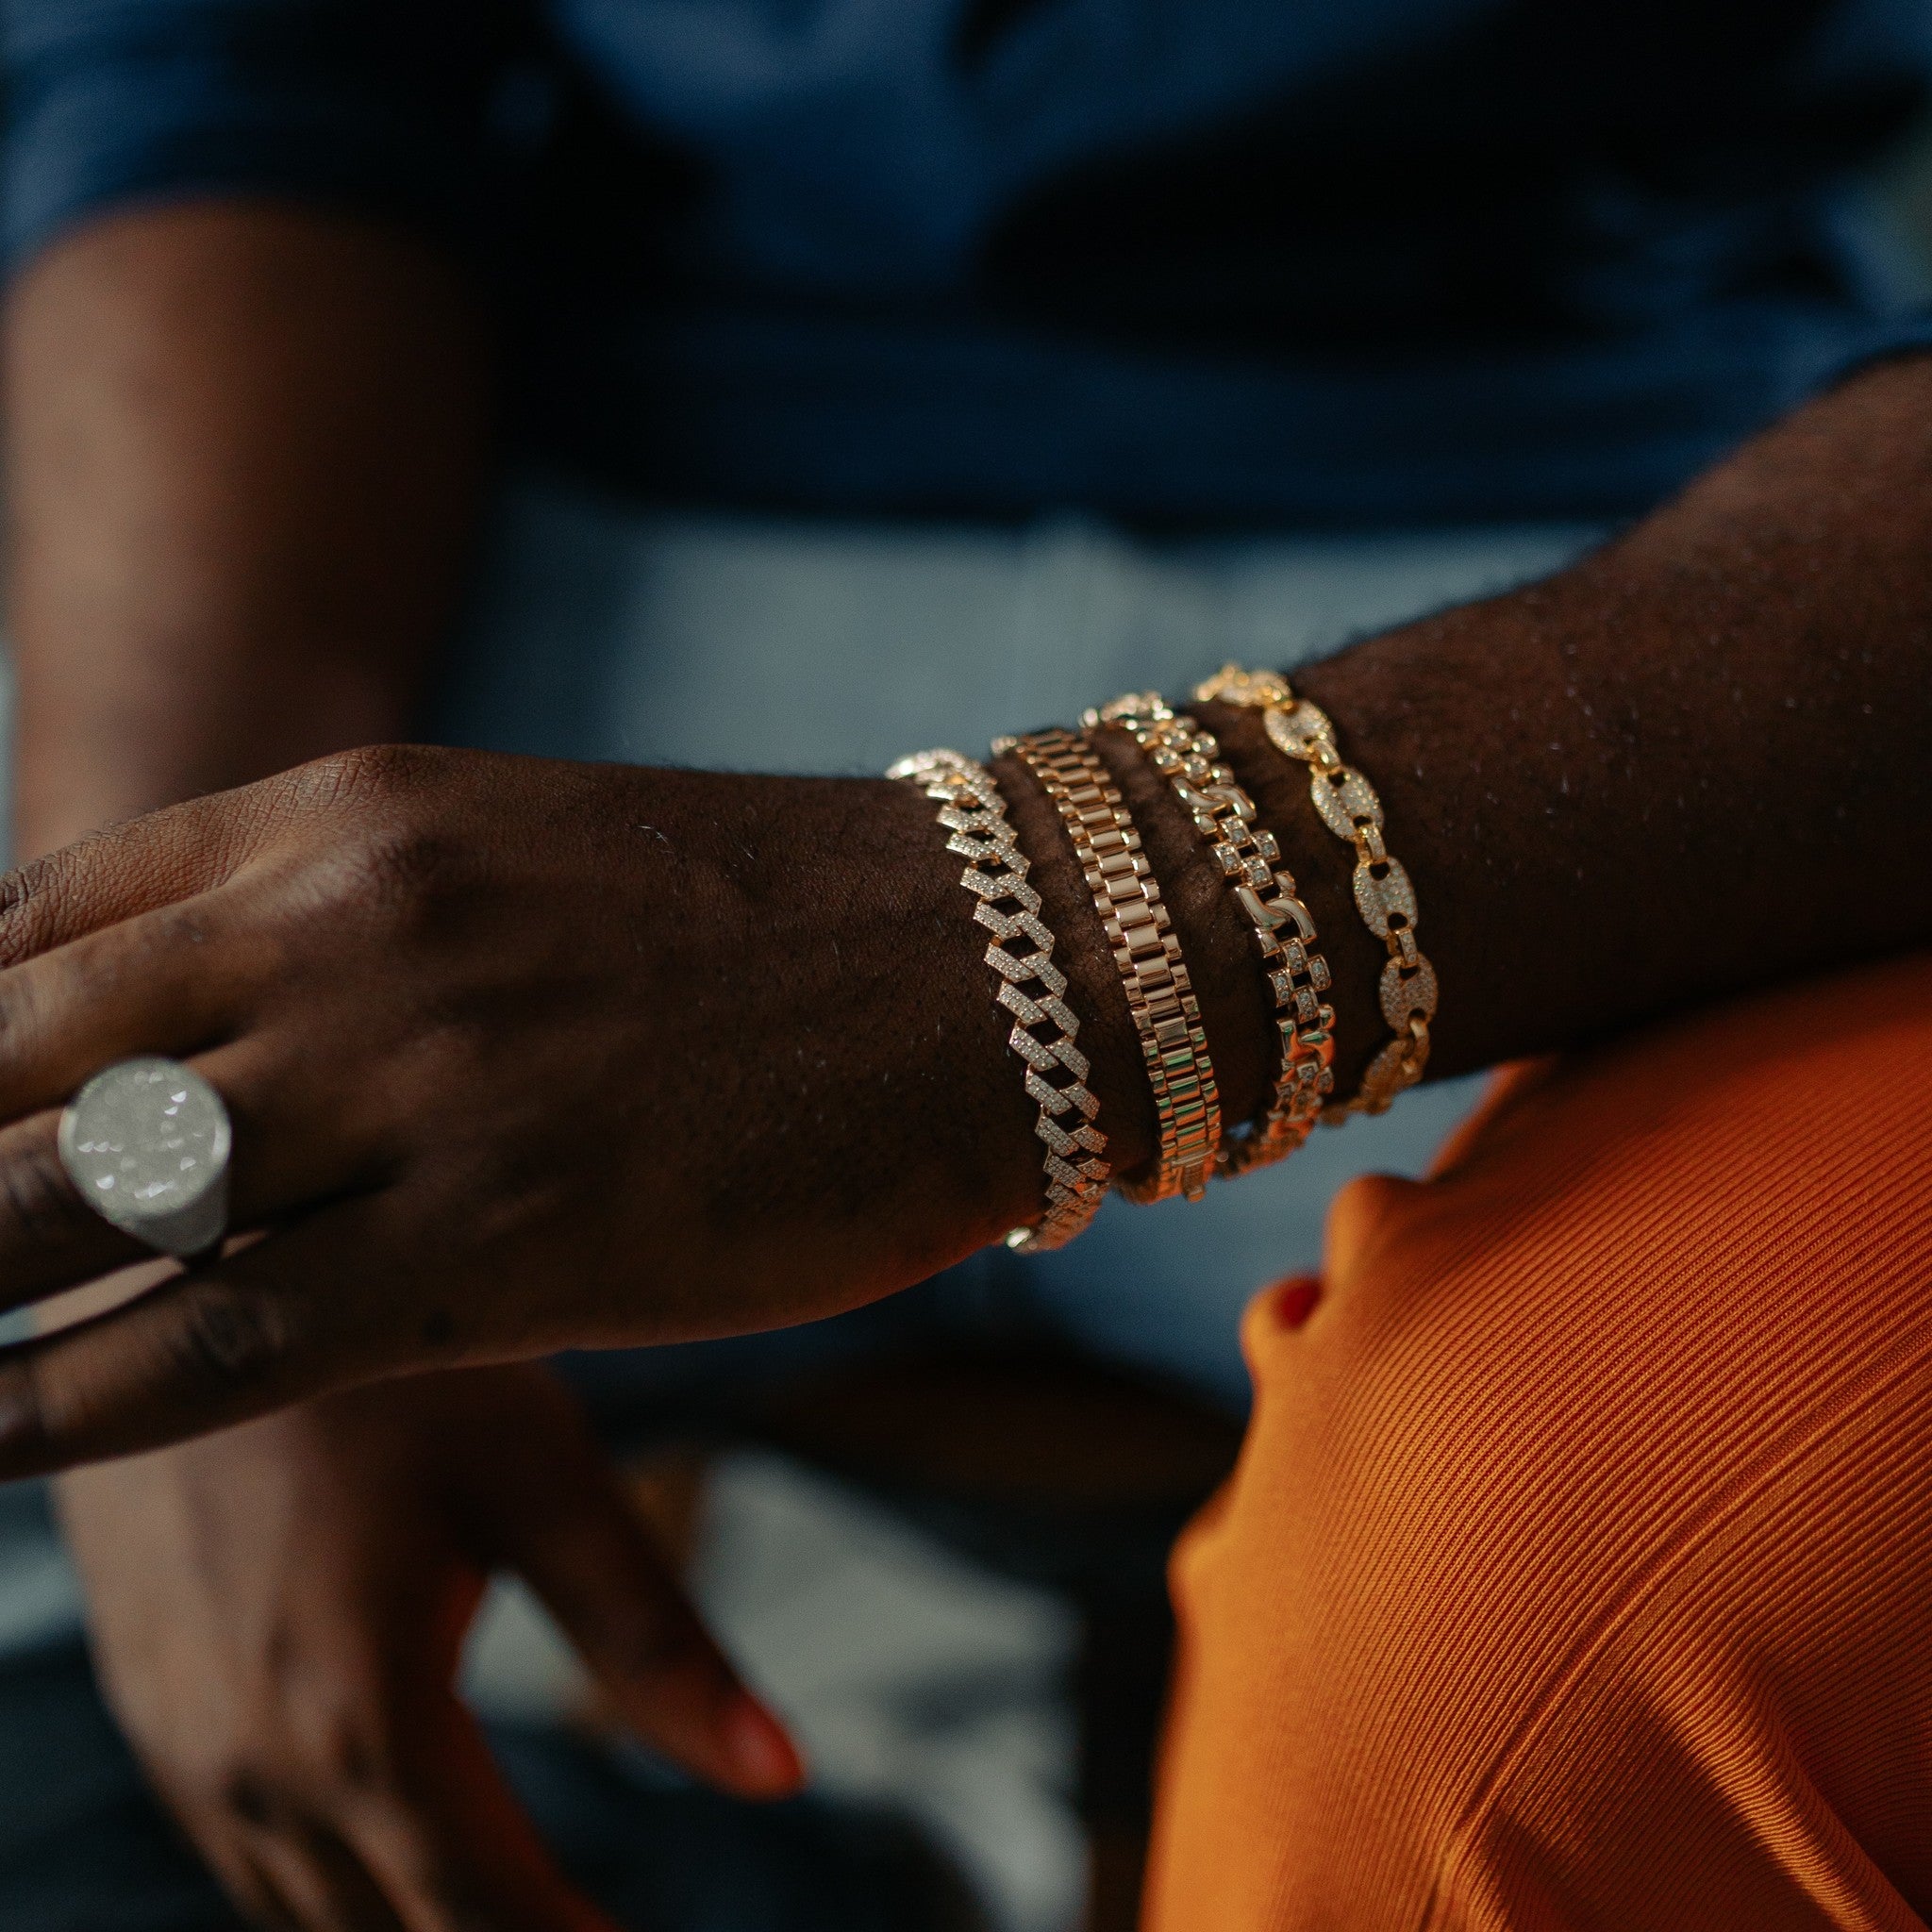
<point x="214" y="1345"/>
<point x="455" y="1852"/>
<point x="170" y="982"/>
<point x="127" y="870"/>
<point x="241" y="1876"/>
<point x="324" y="1885"/>
<point x="295" y="1146"/>
<point x="576" y="1540"/>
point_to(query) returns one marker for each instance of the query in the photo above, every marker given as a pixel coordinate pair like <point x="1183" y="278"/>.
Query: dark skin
<point x="290" y="1673"/>
<point x="1692" y="764"/>
<point x="246" y="446"/>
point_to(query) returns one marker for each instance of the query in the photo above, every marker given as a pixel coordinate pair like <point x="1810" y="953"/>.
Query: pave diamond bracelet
<point x="1186" y="755"/>
<point x="1160" y="994"/>
<point x="1044" y="1027"/>
<point x="1383" y="894"/>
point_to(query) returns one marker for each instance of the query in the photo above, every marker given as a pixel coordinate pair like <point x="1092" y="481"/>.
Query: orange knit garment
<point x="1577" y="1571"/>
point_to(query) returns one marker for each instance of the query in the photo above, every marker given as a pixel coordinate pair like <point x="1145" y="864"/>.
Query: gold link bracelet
<point x="1045" y="1027"/>
<point x="1160" y="994"/>
<point x="1185" y="753"/>
<point x="1383" y="894"/>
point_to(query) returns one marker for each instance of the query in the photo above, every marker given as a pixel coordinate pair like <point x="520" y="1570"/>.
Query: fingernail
<point x="760" y="1750"/>
<point x="1295" y="1299"/>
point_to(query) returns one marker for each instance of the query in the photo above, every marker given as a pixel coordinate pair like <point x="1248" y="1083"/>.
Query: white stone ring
<point x="146" y="1144"/>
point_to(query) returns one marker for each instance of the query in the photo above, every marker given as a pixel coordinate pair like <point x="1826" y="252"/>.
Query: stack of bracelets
<point x="1146" y="950"/>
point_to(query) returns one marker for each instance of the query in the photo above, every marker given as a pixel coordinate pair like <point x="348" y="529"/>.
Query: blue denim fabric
<point x="1221" y="261"/>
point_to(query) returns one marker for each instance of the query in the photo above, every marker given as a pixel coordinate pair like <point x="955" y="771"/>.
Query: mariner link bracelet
<point x="1185" y="754"/>
<point x="1383" y="894"/>
<point x="1044" y="1027"/>
<point x="1167" y="1016"/>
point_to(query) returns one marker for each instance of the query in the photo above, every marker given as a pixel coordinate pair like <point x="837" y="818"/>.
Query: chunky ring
<point x="146" y="1142"/>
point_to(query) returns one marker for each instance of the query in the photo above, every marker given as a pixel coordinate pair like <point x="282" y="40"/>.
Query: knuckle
<point x="29" y="896"/>
<point x="399" y="880"/>
<point x="411" y="867"/>
<point x="368" y="774"/>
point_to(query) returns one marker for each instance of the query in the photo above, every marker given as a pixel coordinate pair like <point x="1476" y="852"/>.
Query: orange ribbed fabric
<point x="1577" y="1571"/>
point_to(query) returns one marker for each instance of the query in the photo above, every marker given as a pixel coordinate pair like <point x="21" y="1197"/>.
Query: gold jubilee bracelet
<point x="1383" y="894"/>
<point x="1160" y="994"/>
<point x="1185" y="753"/>
<point x="1044" y="1027"/>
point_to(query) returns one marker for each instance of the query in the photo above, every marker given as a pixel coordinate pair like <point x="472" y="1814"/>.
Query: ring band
<point x="146" y="1144"/>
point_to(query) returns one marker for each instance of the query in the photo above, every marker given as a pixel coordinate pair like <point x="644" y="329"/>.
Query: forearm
<point x="1698" y="762"/>
<point x="243" y="445"/>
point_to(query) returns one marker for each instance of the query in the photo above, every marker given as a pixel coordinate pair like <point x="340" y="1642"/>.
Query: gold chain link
<point x="1167" y="1016"/>
<point x="1384" y="895"/>
<point x="1186" y="755"/>
<point x="1031" y="988"/>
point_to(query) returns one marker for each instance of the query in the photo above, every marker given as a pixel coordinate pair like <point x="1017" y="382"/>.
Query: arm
<point x="594" y="1055"/>
<point x="1698" y="762"/>
<point x="244" y="449"/>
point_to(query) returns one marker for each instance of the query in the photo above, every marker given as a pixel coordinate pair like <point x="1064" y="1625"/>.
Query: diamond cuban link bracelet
<point x="1044" y="1027"/>
<point x="1184" y="752"/>
<point x="1167" y="1016"/>
<point x="1383" y="894"/>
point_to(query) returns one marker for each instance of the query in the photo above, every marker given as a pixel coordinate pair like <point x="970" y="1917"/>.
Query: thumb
<point x="588" y="1555"/>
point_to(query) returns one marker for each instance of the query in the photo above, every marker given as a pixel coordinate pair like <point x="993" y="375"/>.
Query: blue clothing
<point x="1221" y="261"/>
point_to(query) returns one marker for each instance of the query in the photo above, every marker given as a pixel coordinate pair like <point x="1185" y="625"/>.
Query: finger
<point x="209" y="1347"/>
<point x="168" y="982"/>
<point x="455" y="1852"/>
<point x="127" y="870"/>
<point x="322" y="1885"/>
<point x="50" y="1238"/>
<point x="282" y="1870"/>
<point x="575" y="1538"/>
<point x="295" y="1146"/>
<point x="243" y="1879"/>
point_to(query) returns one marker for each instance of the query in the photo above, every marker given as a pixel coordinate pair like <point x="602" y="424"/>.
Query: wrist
<point x="1146" y="998"/>
<point x="1209" y="1023"/>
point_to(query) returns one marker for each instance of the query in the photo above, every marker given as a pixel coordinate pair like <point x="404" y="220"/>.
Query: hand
<point x="277" y="1613"/>
<point x="520" y="1054"/>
